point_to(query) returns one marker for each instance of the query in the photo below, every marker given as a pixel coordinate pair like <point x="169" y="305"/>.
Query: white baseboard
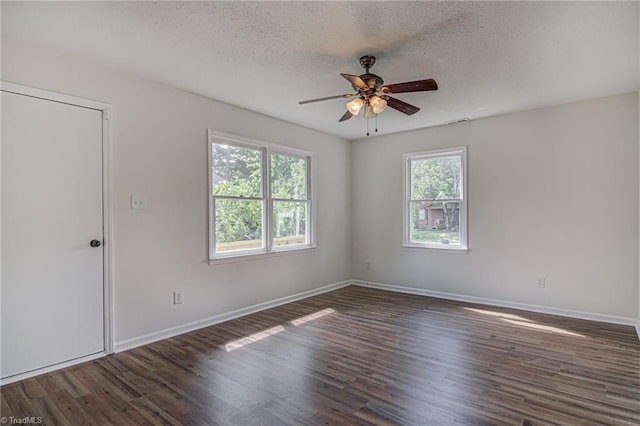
<point x="504" y="304"/>
<point x="216" y="319"/>
<point x="50" y="368"/>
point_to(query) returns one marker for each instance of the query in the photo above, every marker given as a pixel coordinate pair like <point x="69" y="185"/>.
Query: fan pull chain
<point x="367" y="126"/>
<point x="376" y="123"/>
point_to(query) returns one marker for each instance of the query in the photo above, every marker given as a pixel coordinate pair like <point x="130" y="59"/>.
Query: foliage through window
<point x="259" y="197"/>
<point x="435" y="204"/>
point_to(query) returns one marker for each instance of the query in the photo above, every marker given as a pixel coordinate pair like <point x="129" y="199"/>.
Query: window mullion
<point x="267" y="233"/>
<point x="443" y="200"/>
<point x="236" y="197"/>
<point x="300" y="200"/>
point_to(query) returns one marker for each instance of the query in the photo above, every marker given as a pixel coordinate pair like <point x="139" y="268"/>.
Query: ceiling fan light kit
<point x="372" y="95"/>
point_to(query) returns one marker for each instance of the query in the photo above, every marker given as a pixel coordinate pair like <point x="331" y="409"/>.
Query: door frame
<point x="107" y="218"/>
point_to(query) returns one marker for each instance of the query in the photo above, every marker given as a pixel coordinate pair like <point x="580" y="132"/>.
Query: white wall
<point x="552" y="192"/>
<point x="571" y="170"/>
<point x="160" y="153"/>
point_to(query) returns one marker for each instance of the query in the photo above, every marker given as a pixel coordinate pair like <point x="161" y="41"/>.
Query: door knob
<point x="95" y="243"/>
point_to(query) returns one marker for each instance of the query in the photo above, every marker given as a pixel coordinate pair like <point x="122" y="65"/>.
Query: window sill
<point x="257" y="256"/>
<point x="453" y="250"/>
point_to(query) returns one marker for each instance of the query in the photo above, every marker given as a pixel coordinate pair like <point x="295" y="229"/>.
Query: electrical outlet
<point x="137" y="203"/>
<point x="542" y="282"/>
<point x="178" y="297"/>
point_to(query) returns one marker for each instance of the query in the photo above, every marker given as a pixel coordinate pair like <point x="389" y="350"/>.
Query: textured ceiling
<point x="487" y="57"/>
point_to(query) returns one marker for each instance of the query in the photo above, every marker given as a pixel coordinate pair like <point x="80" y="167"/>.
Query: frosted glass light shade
<point x="354" y="106"/>
<point x="368" y="111"/>
<point x="377" y="104"/>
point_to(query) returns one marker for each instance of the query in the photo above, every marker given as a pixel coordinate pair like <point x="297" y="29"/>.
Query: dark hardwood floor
<point x="356" y="356"/>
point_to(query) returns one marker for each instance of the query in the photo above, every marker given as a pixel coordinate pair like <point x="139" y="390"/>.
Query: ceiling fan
<point x="373" y="96"/>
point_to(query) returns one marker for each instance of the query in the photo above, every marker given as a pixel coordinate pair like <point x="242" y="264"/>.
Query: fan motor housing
<point x="372" y="80"/>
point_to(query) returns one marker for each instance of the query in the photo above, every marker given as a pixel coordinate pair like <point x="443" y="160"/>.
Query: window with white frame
<point x="435" y="208"/>
<point x="259" y="197"/>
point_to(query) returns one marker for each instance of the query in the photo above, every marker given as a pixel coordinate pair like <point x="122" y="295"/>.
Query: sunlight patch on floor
<point x="235" y="344"/>
<point x="542" y="327"/>
<point x="524" y="322"/>
<point x="255" y="337"/>
<point x="311" y="317"/>
<point x="497" y="314"/>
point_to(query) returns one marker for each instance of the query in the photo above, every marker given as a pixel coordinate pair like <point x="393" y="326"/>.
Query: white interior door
<point x="52" y="279"/>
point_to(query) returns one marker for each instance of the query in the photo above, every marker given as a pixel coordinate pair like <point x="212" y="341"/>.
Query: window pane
<point x="439" y="224"/>
<point x="238" y="224"/>
<point x="436" y="178"/>
<point x="289" y="223"/>
<point x="236" y="171"/>
<point x="288" y="177"/>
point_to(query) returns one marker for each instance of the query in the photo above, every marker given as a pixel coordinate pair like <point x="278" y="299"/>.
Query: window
<point x="290" y="204"/>
<point x="435" y="211"/>
<point x="259" y="197"/>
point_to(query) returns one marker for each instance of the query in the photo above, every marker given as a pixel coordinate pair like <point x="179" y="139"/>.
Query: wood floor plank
<point x="356" y="356"/>
<point x="70" y="407"/>
<point x="49" y="409"/>
<point x="33" y="389"/>
<point x="154" y="414"/>
<point x="5" y="410"/>
<point x="111" y="411"/>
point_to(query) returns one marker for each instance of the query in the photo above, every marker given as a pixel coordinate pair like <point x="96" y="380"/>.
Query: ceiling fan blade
<point x="348" y="95"/>
<point x="347" y="115"/>
<point x="401" y="106"/>
<point x="410" y="86"/>
<point x="356" y="81"/>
